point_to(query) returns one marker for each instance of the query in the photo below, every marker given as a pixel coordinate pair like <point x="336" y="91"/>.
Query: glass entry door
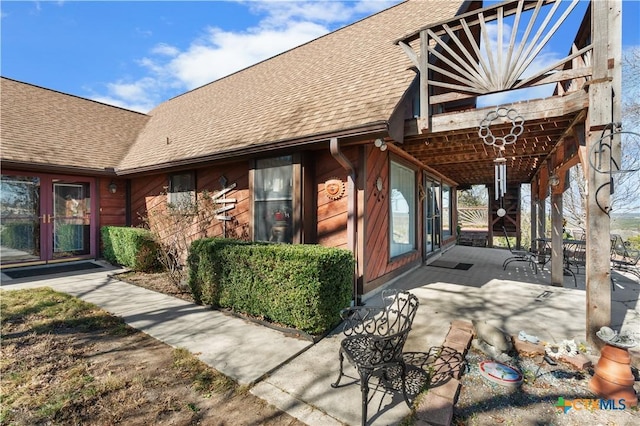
<point x="45" y="218"/>
<point x="70" y="222"/>
<point x="19" y="218"/>
<point x="432" y="226"/>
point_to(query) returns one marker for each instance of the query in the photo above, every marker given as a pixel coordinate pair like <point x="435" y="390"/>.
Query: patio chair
<point x="623" y="257"/>
<point x="374" y="340"/>
<point x="519" y="255"/>
<point x="575" y="253"/>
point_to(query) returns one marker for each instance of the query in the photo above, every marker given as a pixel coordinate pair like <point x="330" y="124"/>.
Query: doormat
<point x="48" y="270"/>
<point x="451" y="265"/>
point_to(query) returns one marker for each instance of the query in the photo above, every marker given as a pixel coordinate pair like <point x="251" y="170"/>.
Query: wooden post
<point x="557" y="258"/>
<point x="534" y="216"/>
<point x="542" y="218"/>
<point x="604" y="109"/>
<point x="539" y="226"/>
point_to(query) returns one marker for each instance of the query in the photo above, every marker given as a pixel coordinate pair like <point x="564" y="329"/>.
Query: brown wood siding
<point x="332" y="214"/>
<point x="376" y="253"/>
<point x="376" y="214"/>
<point x="208" y="179"/>
<point x="146" y="192"/>
<point x="149" y="191"/>
<point x="112" y="207"/>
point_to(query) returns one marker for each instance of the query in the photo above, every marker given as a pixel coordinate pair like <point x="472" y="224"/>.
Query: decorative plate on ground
<point x="500" y="373"/>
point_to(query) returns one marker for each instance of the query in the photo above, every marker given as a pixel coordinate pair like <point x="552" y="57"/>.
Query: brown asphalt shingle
<point x="45" y="127"/>
<point x="349" y="78"/>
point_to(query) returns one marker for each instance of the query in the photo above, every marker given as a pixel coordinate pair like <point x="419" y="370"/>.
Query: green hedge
<point x="19" y="236"/>
<point x="134" y="248"/>
<point x="300" y="286"/>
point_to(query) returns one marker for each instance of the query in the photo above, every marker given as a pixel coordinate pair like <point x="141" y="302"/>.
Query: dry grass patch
<point x="64" y="361"/>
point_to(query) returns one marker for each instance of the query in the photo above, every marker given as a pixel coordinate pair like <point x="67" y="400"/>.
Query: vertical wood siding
<point x="146" y="192"/>
<point x="376" y="214"/>
<point x="150" y="191"/>
<point x="332" y="214"/>
<point x="208" y="180"/>
<point x="376" y="253"/>
<point x="112" y="207"/>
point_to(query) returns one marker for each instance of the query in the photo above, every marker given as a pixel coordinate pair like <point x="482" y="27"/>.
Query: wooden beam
<point x="530" y="110"/>
<point x="466" y="92"/>
<point x="423" y="60"/>
<point x="490" y="14"/>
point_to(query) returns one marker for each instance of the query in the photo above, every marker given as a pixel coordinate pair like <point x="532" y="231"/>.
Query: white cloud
<point x="140" y="107"/>
<point x="165" y="50"/>
<point x="216" y="53"/>
<point x="328" y="12"/>
<point x="128" y="91"/>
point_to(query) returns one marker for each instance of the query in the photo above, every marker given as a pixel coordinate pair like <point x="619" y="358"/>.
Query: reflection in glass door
<point x="44" y="218"/>
<point x="432" y="228"/>
<point x="19" y="218"/>
<point x="71" y="219"/>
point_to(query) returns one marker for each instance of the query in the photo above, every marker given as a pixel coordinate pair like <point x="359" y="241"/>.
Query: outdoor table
<point x="572" y="254"/>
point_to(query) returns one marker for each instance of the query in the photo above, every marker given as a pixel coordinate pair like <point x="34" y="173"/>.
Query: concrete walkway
<point x="240" y="349"/>
<point x="295" y="375"/>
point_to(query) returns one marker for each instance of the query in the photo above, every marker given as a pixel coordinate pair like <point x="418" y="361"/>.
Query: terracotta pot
<point x="616" y="354"/>
<point x="607" y="390"/>
<point x="613" y="378"/>
<point x="614" y="372"/>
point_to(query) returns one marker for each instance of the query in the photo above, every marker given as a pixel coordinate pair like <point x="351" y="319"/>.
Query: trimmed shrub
<point x="19" y="236"/>
<point x="134" y="248"/>
<point x="300" y="286"/>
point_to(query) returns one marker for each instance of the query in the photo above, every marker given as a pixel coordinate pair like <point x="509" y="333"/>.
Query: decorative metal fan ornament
<point x="499" y="142"/>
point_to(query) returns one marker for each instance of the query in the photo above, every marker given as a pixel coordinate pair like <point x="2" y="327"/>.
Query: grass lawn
<point x="65" y="361"/>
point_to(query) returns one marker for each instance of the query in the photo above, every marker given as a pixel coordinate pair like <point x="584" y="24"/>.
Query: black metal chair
<point x="623" y="257"/>
<point x="374" y="340"/>
<point x="519" y="255"/>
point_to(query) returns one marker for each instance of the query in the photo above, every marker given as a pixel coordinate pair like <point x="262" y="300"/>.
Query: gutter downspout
<point x="352" y="210"/>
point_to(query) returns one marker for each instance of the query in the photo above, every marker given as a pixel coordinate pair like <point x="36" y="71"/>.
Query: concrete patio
<point x="513" y="300"/>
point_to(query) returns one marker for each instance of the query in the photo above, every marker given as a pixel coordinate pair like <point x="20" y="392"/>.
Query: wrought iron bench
<point x="374" y="340"/>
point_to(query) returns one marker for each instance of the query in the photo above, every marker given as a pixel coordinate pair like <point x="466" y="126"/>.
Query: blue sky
<point x="138" y="54"/>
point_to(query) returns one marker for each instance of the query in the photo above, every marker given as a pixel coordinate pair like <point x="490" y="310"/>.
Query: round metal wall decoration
<point x="334" y="188"/>
<point x="501" y="114"/>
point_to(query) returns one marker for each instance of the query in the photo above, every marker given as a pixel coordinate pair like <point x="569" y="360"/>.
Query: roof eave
<point x="354" y="134"/>
<point x="55" y="168"/>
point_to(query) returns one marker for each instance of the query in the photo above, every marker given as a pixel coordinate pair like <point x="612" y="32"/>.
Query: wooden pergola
<point x="459" y="61"/>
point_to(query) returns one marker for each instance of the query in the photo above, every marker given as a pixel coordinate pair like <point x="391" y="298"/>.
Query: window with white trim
<point x="446" y="210"/>
<point x="402" y="210"/>
<point x="273" y="199"/>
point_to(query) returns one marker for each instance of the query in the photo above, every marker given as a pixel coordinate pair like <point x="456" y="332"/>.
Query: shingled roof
<point x="346" y="82"/>
<point x="42" y="127"/>
<point x="350" y="79"/>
